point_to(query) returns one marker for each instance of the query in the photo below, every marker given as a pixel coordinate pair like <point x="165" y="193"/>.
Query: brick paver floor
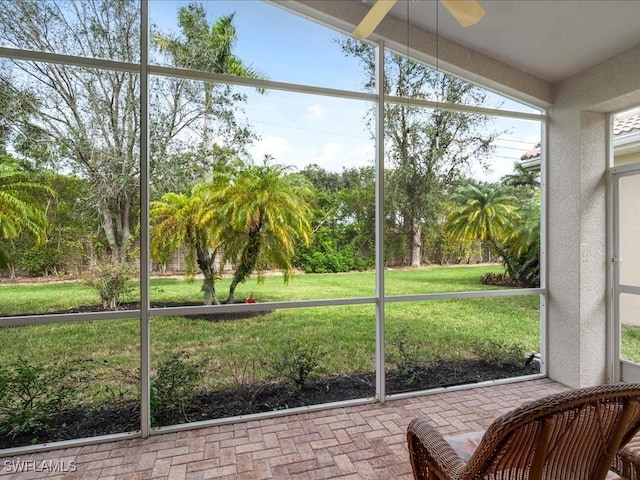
<point x="352" y="443"/>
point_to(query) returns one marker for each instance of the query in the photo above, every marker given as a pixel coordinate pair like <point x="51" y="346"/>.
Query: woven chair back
<point x="572" y="435"/>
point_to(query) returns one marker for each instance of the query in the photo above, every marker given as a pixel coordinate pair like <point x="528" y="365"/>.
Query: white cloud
<point x="278" y="147"/>
<point x="335" y="156"/>
<point x="315" y="113"/>
<point x="330" y="152"/>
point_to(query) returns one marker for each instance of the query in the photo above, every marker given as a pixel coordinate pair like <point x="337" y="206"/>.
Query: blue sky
<point x="275" y="42"/>
<point x="301" y="129"/>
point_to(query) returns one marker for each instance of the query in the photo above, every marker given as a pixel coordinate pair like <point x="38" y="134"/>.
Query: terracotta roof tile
<point x="625" y="123"/>
<point x="531" y="154"/>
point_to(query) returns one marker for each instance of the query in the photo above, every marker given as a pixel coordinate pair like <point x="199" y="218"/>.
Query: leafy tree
<point x="484" y="213"/>
<point x="209" y="47"/>
<point x="266" y="209"/>
<point x="88" y="120"/>
<point x="73" y="225"/>
<point x="251" y="216"/>
<point x="342" y="221"/>
<point x="181" y="220"/>
<point x="358" y="209"/>
<point x="21" y="208"/>
<point x="421" y="167"/>
<point x="16" y="109"/>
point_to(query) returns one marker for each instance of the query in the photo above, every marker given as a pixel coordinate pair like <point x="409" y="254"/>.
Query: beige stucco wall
<point x="577" y="219"/>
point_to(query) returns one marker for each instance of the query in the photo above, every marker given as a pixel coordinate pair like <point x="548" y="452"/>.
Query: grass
<point x="240" y="351"/>
<point x="631" y="343"/>
<point x="24" y="299"/>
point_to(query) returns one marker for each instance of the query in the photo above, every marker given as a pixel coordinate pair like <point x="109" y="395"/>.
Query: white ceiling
<point x="551" y="40"/>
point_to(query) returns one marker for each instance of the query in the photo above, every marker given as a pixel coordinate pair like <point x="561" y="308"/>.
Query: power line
<point x="516" y="141"/>
<point x="512" y="148"/>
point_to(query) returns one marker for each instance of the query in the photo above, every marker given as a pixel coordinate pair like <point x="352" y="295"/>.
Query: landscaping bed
<point x="264" y="397"/>
<point x="81" y="379"/>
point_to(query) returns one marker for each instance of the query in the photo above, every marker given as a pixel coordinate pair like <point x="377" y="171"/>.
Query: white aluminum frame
<point x="145" y="260"/>
<point x="145" y="313"/>
<point x="618" y="369"/>
<point x="379" y="222"/>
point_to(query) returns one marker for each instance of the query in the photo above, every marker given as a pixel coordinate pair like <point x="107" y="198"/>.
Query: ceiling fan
<point x="466" y="12"/>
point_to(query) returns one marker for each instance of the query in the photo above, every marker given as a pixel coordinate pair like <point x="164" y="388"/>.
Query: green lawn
<point x="22" y="299"/>
<point x="631" y="343"/>
<point x="240" y="351"/>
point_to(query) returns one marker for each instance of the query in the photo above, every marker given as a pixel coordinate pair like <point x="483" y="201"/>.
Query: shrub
<point x="297" y="362"/>
<point x="499" y="279"/>
<point x="110" y="282"/>
<point x="173" y="386"/>
<point x="405" y="355"/>
<point x="121" y="385"/>
<point x="499" y="351"/>
<point x="32" y="395"/>
<point x="328" y="259"/>
<point x="41" y="260"/>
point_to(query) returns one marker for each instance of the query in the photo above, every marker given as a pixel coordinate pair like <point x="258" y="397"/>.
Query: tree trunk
<point x="206" y="263"/>
<point x="110" y="232"/>
<point x="248" y="262"/>
<point x="209" y="291"/>
<point x="118" y="233"/>
<point x="125" y="232"/>
<point x="207" y="127"/>
<point x="505" y="259"/>
<point x="416" y="243"/>
<point x="232" y="290"/>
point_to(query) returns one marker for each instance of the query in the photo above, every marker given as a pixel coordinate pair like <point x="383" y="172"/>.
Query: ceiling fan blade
<point x="466" y="12"/>
<point x="373" y="18"/>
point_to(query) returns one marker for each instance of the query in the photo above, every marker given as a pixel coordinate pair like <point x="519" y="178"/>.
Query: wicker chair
<point x="572" y="435"/>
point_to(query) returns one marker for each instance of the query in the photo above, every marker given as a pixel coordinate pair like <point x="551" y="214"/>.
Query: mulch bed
<point x="211" y="317"/>
<point x="261" y="397"/>
<point x="266" y="397"/>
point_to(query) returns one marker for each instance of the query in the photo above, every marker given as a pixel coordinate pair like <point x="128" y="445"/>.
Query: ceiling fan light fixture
<point x="466" y="12"/>
<point x="371" y="20"/>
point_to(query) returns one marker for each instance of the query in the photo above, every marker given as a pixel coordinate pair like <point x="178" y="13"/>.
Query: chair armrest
<point x="431" y="456"/>
<point x="627" y="464"/>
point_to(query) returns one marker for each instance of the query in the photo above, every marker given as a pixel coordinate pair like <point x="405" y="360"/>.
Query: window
<point x="282" y="246"/>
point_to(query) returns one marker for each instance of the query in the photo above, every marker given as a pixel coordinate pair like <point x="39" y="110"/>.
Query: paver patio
<point x="351" y="443"/>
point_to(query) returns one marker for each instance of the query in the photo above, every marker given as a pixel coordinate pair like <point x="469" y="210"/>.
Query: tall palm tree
<point x="522" y="178"/>
<point x="205" y="47"/>
<point x="22" y="206"/>
<point x="267" y="209"/>
<point x="484" y="213"/>
<point x="177" y="220"/>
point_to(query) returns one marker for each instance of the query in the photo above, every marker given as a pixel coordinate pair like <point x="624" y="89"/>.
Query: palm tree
<point x="178" y="220"/>
<point x="267" y="210"/>
<point x="523" y="242"/>
<point x="522" y="178"/>
<point x="205" y="47"/>
<point x="22" y="209"/>
<point x="484" y="213"/>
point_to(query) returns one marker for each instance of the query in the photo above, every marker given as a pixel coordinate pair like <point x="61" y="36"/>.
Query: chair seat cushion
<point x="466" y="443"/>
